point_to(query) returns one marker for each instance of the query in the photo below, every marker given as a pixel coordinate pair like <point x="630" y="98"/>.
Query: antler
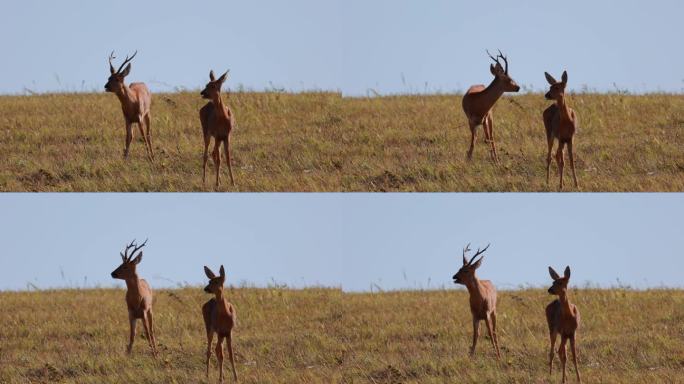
<point x="466" y="250"/>
<point x="111" y="67"/>
<point x="478" y="253"/>
<point x="496" y="60"/>
<point x="125" y="61"/>
<point x="125" y="256"/>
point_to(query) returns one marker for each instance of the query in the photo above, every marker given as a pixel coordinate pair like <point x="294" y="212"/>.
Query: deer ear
<point x="566" y="273"/>
<point x="550" y="78"/>
<point x="208" y="272"/>
<point x="477" y="264"/>
<point x="564" y="77"/>
<point x="223" y="77"/>
<point x="222" y="272"/>
<point x="554" y="274"/>
<point x="137" y="259"/>
<point x="211" y="75"/>
<point x="492" y="69"/>
<point x="126" y="71"/>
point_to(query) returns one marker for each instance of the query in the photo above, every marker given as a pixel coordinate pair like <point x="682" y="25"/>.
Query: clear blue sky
<point x="348" y="240"/>
<point x="352" y="45"/>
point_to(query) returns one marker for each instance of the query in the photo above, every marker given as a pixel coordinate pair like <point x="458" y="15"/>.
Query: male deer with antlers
<point x="135" y="99"/>
<point x="563" y="318"/>
<point x="217" y="122"/>
<point x="219" y="317"/>
<point x="482" y="298"/>
<point x="479" y="101"/>
<point x="560" y="122"/>
<point x="138" y="294"/>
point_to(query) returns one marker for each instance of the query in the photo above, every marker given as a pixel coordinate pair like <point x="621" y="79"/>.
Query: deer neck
<point x="565" y="302"/>
<point x="492" y="93"/>
<point x="220" y="107"/>
<point x="132" y="284"/>
<point x="221" y="302"/>
<point x="473" y="286"/>
<point x="563" y="108"/>
<point x="125" y="96"/>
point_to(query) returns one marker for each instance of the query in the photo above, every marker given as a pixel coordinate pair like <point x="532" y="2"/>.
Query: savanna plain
<point x="325" y="142"/>
<point x="320" y="335"/>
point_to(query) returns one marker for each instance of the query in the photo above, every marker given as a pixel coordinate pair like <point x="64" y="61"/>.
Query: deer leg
<point x="574" y="357"/>
<point x="219" y="357"/>
<point x="129" y="137"/>
<point x="154" y="340"/>
<point x="476" y="334"/>
<point x="572" y="162"/>
<point x="131" y="338"/>
<point x="552" y="335"/>
<point x="561" y="354"/>
<point x="549" y="141"/>
<point x="490" y="127"/>
<point x="488" y="322"/>
<point x="496" y="340"/>
<point x="205" y="158"/>
<point x="142" y="134"/>
<point x="229" y="343"/>
<point x="473" y="139"/>
<point x="217" y="159"/>
<point x="560" y="161"/>
<point x="148" y="336"/>
<point x="148" y="134"/>
<point x="226" y="148"/>
<point x="210" y="339"/>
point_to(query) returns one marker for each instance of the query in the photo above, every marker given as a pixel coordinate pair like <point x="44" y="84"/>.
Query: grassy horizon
<point x="319" y="335"/>
<point x="321" y="141"/>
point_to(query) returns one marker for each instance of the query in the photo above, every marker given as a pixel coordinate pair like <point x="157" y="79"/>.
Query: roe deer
<point x="560" y="122"/>
<point x="219" y="317"/>
<point x="138" y="295"/>
<point x="479" y="101"/>
<point x="135" y="99"/>
<point x="482" y="298"/>
<point x="563" y="318"/>
<point x="217" y="122"/>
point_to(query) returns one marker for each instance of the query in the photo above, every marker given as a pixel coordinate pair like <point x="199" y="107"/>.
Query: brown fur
<point x="219" y="317"/>
<point x="136" y="100"/>
<point x="482" y="299"/>
<point x="560" y="123"/>
<point x="479" y="100"/>
<point x="563" y="318"/>
<point x="138" y="296"/>
<point x="217" y="121"/>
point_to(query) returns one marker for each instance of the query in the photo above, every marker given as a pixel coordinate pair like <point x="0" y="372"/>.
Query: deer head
<point x="501" y="73"/>
<point x="467" y="271"/>
<point x="116" y="79"/>
<point x="213" y="88"/>
<point x="128" y="263"/>
<point x="557" y="89"/>
<point x="560" y="284"/>
<point x="215" y="282"/>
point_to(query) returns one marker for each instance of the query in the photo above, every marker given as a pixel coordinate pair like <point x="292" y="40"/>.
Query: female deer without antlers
<point x="482" y="298"/>
<point x="560" y="122"/>
<point x="138" y="295"/>
<point x="135" y="103"/>
<point x="217" y="122"/>
<point x="563" y="318"/>
<point x="219" y="317"/>
<point x="479" y="101"/>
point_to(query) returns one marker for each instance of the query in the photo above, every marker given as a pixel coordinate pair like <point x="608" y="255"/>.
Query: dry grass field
<point x="324" y="142"/>
<point x="327" y="336"/>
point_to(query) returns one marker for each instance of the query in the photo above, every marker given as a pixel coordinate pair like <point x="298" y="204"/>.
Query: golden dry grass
<point x="324" y="142"/>
<point x="327" y="336"/>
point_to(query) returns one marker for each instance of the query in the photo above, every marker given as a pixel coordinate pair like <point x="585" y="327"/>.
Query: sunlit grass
<point x="327" y="336"/>
<point x="323" y="142"/>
